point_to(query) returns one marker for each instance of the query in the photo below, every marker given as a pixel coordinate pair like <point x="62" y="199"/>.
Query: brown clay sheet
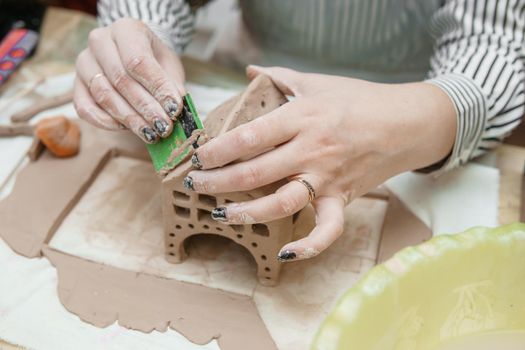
<point x="101" y="295"/>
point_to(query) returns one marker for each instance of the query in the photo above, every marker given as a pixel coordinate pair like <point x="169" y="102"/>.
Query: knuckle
<point x="137" y="64"/>
<point x="250" y="176"/>
<point x="249" y="137"/>
<point x="144" y="108"/>
<point x="159" y="87"/>
<point x="120" y="79"/>
<point x="102" y="96"/>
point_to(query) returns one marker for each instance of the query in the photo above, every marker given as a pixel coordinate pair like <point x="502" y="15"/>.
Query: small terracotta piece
<point x="60" y="135"/>
<point x="186" y="213"/>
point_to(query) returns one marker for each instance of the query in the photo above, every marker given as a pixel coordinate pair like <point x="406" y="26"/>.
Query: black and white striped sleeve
<point x="171" y="20"/>
<point x="479" y="62"/>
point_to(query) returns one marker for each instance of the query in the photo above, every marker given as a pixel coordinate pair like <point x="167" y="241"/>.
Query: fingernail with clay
<point x="286" y="255"/>
<point x="195" y="161"/>
<point x="150" y="136"/>
<point x="171" y="108"/>
<point x="188" y="183"/>
<point x="162" y="128"/>
<point x="219" y="214"/>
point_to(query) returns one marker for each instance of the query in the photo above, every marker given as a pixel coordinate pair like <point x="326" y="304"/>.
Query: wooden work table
<point x="510" y="160"/>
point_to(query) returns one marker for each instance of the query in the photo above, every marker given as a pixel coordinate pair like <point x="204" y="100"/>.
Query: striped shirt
<point x="472" y="49"/>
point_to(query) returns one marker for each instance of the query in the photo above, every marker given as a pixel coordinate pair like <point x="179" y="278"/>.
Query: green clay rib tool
<point x="186" y="124"/>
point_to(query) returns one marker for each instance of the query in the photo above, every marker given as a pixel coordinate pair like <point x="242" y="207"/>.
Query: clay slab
<point x="102" y="294"/>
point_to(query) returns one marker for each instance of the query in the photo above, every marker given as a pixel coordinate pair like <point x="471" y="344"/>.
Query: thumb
<point x="289" y="81"/>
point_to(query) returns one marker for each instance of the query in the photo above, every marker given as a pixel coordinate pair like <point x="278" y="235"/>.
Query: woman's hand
<point x="343" y="136"/>
<point x="127" y="78"/>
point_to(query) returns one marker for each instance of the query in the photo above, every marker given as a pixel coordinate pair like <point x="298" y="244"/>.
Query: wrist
<point x="427" y="124"/>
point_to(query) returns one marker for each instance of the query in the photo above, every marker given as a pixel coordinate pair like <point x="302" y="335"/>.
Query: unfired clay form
<point x="187" y="213"/>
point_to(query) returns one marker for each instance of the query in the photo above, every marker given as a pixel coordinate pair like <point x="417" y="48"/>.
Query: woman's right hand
<point x="127" y="78"/>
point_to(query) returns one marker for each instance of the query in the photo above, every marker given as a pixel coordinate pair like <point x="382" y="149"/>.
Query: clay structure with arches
<point x="187" y="213"/>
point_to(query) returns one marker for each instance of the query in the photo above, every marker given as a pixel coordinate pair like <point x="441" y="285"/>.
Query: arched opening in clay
<point x="208" y="247"/>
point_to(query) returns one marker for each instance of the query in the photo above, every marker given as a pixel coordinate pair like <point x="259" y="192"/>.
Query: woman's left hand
<point x="342" y="136"/>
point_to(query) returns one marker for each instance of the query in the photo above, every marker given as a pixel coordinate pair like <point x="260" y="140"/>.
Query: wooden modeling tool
<point x="169" y="152"/>
<point x="44" y="104"/>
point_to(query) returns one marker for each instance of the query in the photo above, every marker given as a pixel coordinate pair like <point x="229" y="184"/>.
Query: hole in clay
<point x="261" y="230"/>
<point x="263" y="257"/>
<point x="218" y="229"/>
<point x="209" y="201"/>
<point x="181" y="195"/>
<point x="254" y="244"/>
<point x="239" y="236"/>
<point x="295" y="217"/>
<point x="213" y="246"/>
<point x="172" y="235"/>
<point x="181" y="211"/>
<point x="171" y="245"/>
<point x="172" y="254"/>
<point x="263" y="103"/>
<point x="203" y="214"/>
<point x="178" y="227"/>
<point x="206" y="227"/>
<point x="267" y="269"/>
<point x="268" y="278"/>
<point x="237" y="228"/>
<point x="191" y="226"/>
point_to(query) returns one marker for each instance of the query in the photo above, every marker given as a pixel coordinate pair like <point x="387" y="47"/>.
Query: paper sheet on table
<point x="452" y="202"/>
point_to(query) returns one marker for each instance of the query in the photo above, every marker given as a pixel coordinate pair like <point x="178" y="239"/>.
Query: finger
<point x="88" y="110"/>
<point x="247" y="175"/>
<point x="247" y="139"/>
<point x="140" y="62"/>
<point x="170" y="63"/>
<point x="287" y="80"/>
<point x="108" y="99"/>
<point x="106" y="54"/>
<point x="330" y="224"/>
<point x="288" y="200"/>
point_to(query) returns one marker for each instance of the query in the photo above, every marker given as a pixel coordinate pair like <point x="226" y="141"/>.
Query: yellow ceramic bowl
<point x="450" y="288"/>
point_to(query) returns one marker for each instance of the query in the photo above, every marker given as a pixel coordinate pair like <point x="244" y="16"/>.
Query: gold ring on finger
<point x="309" y="187"/>
<point x="98" y="75"/>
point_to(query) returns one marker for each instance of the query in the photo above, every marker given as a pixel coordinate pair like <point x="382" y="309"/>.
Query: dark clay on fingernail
<point x="219" y="214"/>
<point x="149" y="135"/>
<point x="171" y="108"/>
<point x="161" y="127"/>
<point x="286" y="255"/>
<point x="195" y="161"/>
<point x="188" y="183"/>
